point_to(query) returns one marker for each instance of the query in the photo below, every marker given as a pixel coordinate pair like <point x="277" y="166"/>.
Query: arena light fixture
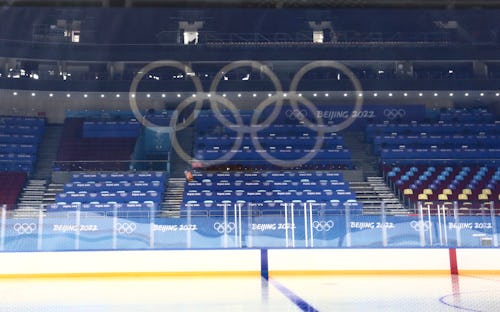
<point x="117" y="95"/>
<point x="14" y="93"/>
<point x="390" y="93"/>
<point x="315" y="94"/>
<point x="254" y="95"/>
<point x="178" y="95"/>
<point x="239" y="94"/>
<point x="481" y="94"/>
<point x="327" y="95"/>
<point x="345" y="94"/>
<point x="405" y="94"/>
<point x="224" y="95"/>
<point x="102" y="95"/>
<point x="68" y="95"/>
<point x="148" y="95"/>
<point x="451" y="94"/>
<point x="375" y="94"/>
<point x="86" y="95"/>
<point x="466" y="94"/>
<point x="163" y="95"/>
<point x="435" y="94"/>
<point x="33" y="94"/>
<point x="420" y="94"/>
<point x="51" y="94"/>
<point x="497" y="94"/>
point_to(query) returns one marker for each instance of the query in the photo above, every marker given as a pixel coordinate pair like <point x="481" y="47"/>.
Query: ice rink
<point x="251" y="293"/>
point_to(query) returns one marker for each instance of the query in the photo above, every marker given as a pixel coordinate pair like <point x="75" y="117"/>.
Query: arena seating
<point x="96" y="145"/>
<point x="467" y="116"/>
<point x="283" y="140"/>
<point x="267" y="192"/>
<point x="101" y="192"/>
<point x="454" y="159"/>
<point x="19" y="140"/>
<point x="465" y="184"/>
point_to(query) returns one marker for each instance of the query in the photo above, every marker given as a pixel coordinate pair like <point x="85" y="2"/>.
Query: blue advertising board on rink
<point x="65" y="232"/>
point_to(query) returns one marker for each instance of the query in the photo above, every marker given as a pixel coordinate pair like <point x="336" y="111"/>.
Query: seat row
<point x="439" y="141"/>
<point x="441" y="128"/>
<point x="252" y="154"/>
<point x="429" y="155"/>
<point x="106" y="197"/>
<point x="261" y="175"/>
<point x="209" y="142"/>
<point x="103" y="208"/>
<point x="22" y="121"/>
<point x="261" y="195"/>
<point x="115" y="186"/>
<point x="268" y="185"/>
<point x="118" y="177"/>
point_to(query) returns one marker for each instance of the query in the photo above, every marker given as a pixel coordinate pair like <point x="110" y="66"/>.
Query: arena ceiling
<point x="444" y="4"/>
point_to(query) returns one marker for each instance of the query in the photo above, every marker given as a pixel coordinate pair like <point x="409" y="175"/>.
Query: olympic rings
<point x="239" y="127"/>
<point x="296" y="114"/>
<point x="125" y="228"/>
<point x="323" y="226"/>
<point x="24" y="228"/>
<point x="420" y="225"/>
<point x="255" y="65"/>
<point x="137" y="79"/>
<point x="335" y="65"/>
<point x="180" y="151"/>
<point x="394" y="113"/>
<point x="224" y="228"/>
<point x="288" y="163"/>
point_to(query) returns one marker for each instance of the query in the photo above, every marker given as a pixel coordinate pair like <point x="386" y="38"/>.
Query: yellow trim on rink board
<point x="210" y="274"/>
<point x="357" y="272"/>
<point x="230" y="274"/>
<point x="478" y="272"/>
